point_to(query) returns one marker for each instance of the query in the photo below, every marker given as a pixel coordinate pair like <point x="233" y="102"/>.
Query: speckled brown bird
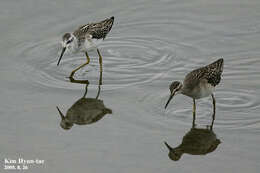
<point x="199" y="83"/>
<point x="195" y="142"/>
<point x="86" y="37"/>
<point x="84" y="111"/>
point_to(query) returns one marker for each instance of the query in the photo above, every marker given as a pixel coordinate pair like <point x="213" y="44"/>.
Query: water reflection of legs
<point x="100" y="83"/>
<point x="86" y="90"/>
<point x="86" y="110"/>
<point x="72" y="80"/>
<point x="194" y="113"/>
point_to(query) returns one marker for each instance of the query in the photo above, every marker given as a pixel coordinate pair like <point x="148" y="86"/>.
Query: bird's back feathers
<point x="211" y="73"/>
<point x="97" y="30"/>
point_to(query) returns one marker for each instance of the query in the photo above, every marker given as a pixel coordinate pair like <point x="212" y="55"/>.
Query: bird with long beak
<point x="197" y="141"/>
<point x="174" y="153"/>
<point x="85" y="110"/>
<point x="175" y="88"/>
<point x="65" y="123"/>
<point x="68" y="43"/>
<point x="85" y="38"/>
<point x="199" y="83"/>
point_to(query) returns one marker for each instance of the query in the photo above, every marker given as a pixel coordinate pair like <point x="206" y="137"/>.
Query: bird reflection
<point x="85" y="110"/>
<point x="197" y="141"/>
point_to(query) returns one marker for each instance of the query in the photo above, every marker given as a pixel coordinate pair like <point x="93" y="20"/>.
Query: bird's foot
<point x="71" y="78"/>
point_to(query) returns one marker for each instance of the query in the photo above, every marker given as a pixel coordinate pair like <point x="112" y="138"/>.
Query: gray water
<point x="151" y="44"/>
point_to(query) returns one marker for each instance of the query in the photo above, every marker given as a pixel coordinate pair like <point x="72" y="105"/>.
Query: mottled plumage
<point x="84" y="111"/>
<point x="195" y="142"/>
<point x="97" y="30"/>
<point x="199" y="83"/>
<point x="211" y="73"/>
<point x="85" y="38"/>
<point x="198" y="141"/>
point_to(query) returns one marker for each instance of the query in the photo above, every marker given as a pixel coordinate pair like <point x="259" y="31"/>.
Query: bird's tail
<point x="109" y="21"/>
<point x="218" y="65"/>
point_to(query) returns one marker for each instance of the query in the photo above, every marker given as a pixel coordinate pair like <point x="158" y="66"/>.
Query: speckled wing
<point x="214" y="71"/>
<point x="81" y="32"/>
<point x="97" y="30"/>
<point x="211" y="73"/>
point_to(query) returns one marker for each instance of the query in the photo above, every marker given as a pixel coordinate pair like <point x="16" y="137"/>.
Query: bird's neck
<point x="184" y="90"/>
<point x="75" y="44"/>
<point x="178" y="149"/>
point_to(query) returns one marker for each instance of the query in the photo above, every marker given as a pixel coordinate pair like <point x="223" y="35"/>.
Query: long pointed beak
<point x="170" y="98"/>
<point x="167" y="145"/>
<point x="61" y="114"/>
<point x="62" y="52"/>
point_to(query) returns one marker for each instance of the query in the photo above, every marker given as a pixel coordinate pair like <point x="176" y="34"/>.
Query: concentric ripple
<point x="126" y="61"/>
<point x="179" y="110"/>
<point x="233" y="108"/>
<point x="237" y="100"/>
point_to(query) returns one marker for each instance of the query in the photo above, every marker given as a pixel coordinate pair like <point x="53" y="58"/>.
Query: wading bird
<point x="199" y="83"/>
<point x="86" y="38"/>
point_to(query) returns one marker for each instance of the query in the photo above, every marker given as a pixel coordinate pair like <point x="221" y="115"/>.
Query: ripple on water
<point x="179" y="110"/>
<point x="243" y="66"/>
<point x="240" y="108"/>
<point x="237" y="100"/>
<point x="127" y="61"/>
<point x="235" y="108"/>
<point x="237" y="97"/>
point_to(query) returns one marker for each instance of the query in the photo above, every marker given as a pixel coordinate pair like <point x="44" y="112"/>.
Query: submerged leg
<point x="98" y="91"/>
<point x="100" y="83"/>
<point x="86" y="91"/>
<point x="88" y="59"/>
<point x="194" y="113"/>
<point x="214" y="109"/>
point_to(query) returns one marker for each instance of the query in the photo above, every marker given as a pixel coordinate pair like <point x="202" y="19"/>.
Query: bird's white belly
<point x="93" y="44"/>
<point x="205" y="90"/>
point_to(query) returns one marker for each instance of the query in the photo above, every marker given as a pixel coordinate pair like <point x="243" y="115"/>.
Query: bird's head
<point x="65" y="124"/>
<point x="174" y="153"/>
<point x="175" y="88"/>
<point x="68" y="42"/>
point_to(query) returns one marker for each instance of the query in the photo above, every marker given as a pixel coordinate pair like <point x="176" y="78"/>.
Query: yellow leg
<point x="194" y="113"/>
<point x="101" y="68"/>
<point x="88" y="59"/>
<point x="100" y="78"/>
<point x="100" y="60"/>
<point x="100" y="83"/>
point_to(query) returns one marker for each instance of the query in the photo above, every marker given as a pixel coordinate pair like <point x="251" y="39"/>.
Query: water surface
<point x="151" y="44"/>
